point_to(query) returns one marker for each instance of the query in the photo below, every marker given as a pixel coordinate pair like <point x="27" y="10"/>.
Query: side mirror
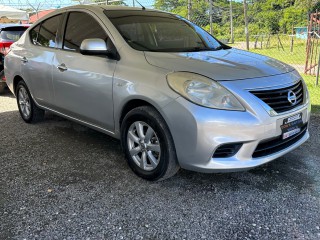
<point x="93" y="46"/>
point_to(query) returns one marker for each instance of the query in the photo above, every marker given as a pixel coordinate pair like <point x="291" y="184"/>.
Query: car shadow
<point x="7" y="93"/>
<point x="75" y="154"/>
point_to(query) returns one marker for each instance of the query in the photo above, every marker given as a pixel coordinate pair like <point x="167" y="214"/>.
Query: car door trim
<point x="90" y="125"/>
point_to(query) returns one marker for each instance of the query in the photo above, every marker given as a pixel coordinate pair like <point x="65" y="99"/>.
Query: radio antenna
<point x="143" y="8"/>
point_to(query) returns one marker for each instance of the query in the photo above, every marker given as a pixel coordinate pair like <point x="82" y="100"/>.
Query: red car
<point x="8" y="34"/>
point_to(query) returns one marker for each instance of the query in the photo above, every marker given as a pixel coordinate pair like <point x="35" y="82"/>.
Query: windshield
<point x="161" y="32"/>
<point x="11" y="35"/>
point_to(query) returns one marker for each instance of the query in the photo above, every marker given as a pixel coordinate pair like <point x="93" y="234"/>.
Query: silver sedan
<point x="173" y="94"/>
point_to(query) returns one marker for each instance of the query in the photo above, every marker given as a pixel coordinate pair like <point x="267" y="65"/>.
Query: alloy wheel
<point x="143" y="145"/>
<point x="24" y="102"/>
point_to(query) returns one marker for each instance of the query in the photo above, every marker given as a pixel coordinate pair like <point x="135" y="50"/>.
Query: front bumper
<point x="199" y="131"/>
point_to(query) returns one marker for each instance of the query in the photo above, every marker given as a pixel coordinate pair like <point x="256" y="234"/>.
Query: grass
<point x="297" y="57"/>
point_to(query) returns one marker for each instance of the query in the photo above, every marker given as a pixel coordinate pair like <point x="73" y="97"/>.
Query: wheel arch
<point x="131" y="104"/>
<point x="16" y="80"/>
<point x="134" y="103"/>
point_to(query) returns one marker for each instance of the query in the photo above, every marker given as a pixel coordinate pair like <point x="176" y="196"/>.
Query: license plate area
<point x="291" y="125"/>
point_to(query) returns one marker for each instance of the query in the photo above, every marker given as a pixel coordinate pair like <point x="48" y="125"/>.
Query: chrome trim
<point x="275" y="87"/>
<point x="272" y="112"/>
<point x="77" y="120"/>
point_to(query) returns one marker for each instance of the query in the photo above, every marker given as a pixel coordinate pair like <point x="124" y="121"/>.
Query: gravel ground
<point x="60" y="180"/>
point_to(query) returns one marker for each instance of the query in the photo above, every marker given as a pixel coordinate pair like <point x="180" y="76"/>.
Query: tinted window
<point x="161" y="32"/>
<point x="46" y="37"/>
<point x="34" y="34"/>
<point x="81" y="26"/>
<point x="12" y="34"/>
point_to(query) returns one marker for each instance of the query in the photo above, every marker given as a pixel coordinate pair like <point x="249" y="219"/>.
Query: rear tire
<point x="148" y="144"/>
<point x="29" y="111"/>
<point x="2" y="88"/>
<point x="2" y="84"/>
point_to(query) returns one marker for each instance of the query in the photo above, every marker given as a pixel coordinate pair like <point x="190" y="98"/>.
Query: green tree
<point x="265" y="16"/>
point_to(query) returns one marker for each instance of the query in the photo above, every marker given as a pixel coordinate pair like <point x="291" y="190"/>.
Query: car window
<point x="81" y="26"/>
<point x="45" y="33"/>
<point x="161" y="32"/>
<point x="11" y="35"/>
<point x="34" y="34"/>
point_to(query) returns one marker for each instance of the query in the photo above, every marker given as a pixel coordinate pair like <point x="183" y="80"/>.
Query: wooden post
<point x="279" y="42"/>
<point x="291" y="44"/>
<point x="316" y="54"/>
<point x="231" y="23"/>
<point x="256" y="41"/>
<point x="318" y="71"/>
<point x="261" y="41"/>
<point x="246" y="30"/>
<point x="189" y="9"/>
<point x="210" y="16"/>
<point x="308" y="45"/>
<point x="268" y="42"/>
<point x="311" y="56"/>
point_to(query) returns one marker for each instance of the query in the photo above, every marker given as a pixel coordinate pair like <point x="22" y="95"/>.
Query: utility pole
<point x="189" y="9"/>
<point x="133" y="3"/>
<point x="318" y="71"/>
<point x="231" y="23"/>
<point x="246" y="30"/>
<point x="210" y="17"/>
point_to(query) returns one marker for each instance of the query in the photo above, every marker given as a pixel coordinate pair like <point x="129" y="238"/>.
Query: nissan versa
<point x="173" y="94"/>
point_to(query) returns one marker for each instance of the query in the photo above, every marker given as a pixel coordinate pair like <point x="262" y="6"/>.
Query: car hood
<point x="228" y="64"/>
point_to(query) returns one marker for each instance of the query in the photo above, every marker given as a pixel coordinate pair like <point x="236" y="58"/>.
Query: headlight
<point x="203" y="91"/>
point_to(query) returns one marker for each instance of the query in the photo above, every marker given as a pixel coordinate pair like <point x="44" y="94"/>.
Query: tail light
<point x="5" y="47"/>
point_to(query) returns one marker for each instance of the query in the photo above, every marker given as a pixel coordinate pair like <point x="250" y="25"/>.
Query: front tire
<point x="148" y="144"/>
<point x="29" y="112"/>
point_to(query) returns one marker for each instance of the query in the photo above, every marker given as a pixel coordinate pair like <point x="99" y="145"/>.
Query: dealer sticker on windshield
<point x="291" y="125"/>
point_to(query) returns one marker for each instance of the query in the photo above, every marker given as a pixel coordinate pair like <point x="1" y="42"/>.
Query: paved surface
<point x="59" y="180"/>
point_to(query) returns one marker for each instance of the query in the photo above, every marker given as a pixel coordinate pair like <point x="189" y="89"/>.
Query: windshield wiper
<point x="199" y="49"/>
<point x="218" y="48"/>
<point x="195" y="49"/>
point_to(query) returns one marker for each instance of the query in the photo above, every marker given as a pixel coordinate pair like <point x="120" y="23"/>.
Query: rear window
<point x="11" y="34"/>
<point x="45" y="33"/>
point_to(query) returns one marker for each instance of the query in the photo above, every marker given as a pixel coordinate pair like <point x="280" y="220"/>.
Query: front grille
<point x="277" y="144"/>
<point x="277" y="99"/>
<point x="227" y="150"/>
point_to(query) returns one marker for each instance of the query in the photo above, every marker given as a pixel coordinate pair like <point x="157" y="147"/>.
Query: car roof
<point x="95" y="8"/>
<point x="109" y="8"/>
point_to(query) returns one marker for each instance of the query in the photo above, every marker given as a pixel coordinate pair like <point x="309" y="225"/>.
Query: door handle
<point x="62" y="67"/>
<point x="24" y="60"/>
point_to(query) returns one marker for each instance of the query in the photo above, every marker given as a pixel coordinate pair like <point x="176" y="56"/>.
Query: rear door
<point x="37" y="59"/>
<point x="83" y="84"/>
